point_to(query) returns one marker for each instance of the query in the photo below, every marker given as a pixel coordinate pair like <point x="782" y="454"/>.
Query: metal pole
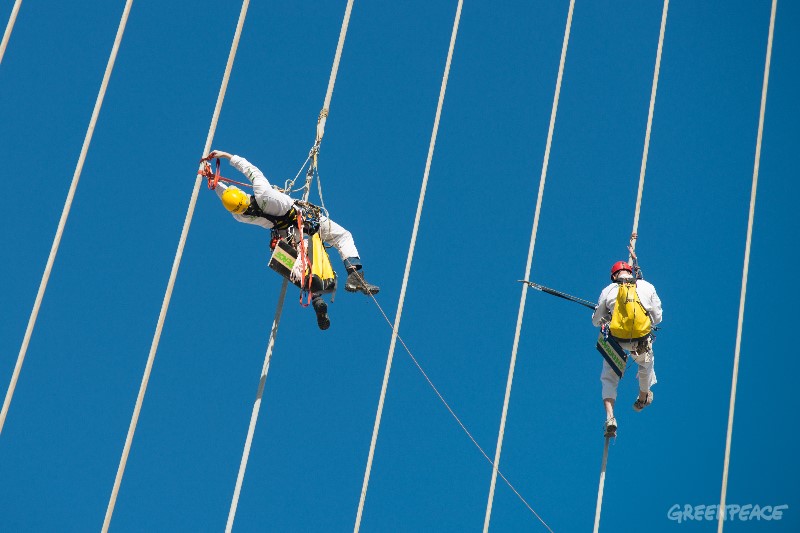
<point x="586" y="303"/>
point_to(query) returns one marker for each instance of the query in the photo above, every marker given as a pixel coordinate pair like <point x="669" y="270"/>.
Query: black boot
<point x="356" y="283"/>
<point x="321" y="309"/>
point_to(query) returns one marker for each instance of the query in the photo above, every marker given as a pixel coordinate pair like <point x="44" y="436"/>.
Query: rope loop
<point x="213" y="177"/>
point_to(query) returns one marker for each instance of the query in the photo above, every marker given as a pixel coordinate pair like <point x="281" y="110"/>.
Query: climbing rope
<point x="65" y="212"/>
<point x="174" y="273"/>
<point x="750" y="218"/>
<point x="521" y="311"/>
<point x="453" y="413"/>
<point x="637" y="211"/>
<point x="274" y="331"/>
<point x="399" y="313"/>
<point x="288" y="187"/>
<point x="10" y="26"/>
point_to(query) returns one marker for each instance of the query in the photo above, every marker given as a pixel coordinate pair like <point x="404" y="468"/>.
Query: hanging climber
<point x="627" y="310"/>
<point x="270" y="208"/>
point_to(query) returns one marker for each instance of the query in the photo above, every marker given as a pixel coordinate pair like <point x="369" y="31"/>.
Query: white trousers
<point x="340" y="238"/>
<point x="646" y="373"/>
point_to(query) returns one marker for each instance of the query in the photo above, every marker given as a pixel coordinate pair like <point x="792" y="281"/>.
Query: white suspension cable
<point x="174" y="273"/>
<point x="274" y="331"/>
<point x="9" y="27"/>
<point x="637" y="211"/>
<point x="334" y="71"/>
<point x="256" y="407"/>
<point x="650" y="120"/>
<point x="750" y="218"/>
<point x="600" y="489"/>
<point x="410" y="257"/>
<point x="65" y="212"/>
<point x="534" y="230"/>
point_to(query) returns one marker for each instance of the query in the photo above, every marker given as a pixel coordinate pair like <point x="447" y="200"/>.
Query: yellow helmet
<point x="235" y="200"/>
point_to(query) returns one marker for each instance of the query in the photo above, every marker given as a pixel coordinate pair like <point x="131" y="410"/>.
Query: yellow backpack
<point x="322" y="273"/>
<point x="629" y="320"/>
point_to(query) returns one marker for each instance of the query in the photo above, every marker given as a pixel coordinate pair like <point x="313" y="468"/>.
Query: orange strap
<point x="302" y="255"/>
<point x="214" y="177"/>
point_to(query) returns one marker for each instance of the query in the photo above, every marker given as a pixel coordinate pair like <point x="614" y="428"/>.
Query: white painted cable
<point x="410" y="257"/>
<point x="332" y="80"/>
<point x="10" y="26"/>
<point x="174" y="273"/>
<point x="534" y="230"/>
<point x="600" y="489"/>
<point x="740" y="323"/>
<point x="650" y="120"/>
<point x="256" y="408"/>
<point x="64" y="214"/>
<point x="274" y="331"/>
<point x="637" y="211"/>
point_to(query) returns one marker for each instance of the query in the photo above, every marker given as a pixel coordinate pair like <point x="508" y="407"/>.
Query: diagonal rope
<point x="746" y="268"/>
<point x="64" y="213"/>
<point x="174" y="273"/>
<point x="274" y="331"/>
<point x="10" y="26"/>
<point x="399" y="313"/>
<point x="521" y="312"/>
<point x="637" y="211"/>
<point x="455" y="416"/>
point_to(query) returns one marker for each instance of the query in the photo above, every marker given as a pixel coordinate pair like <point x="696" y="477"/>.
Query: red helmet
<point x="620" y="265"/>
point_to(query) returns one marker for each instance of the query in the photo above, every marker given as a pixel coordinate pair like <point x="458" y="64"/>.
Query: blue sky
<point x="61" y="444"/>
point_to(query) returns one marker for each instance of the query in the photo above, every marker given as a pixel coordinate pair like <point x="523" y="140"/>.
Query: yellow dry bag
<point x="629" y="320"/>
<point x="322" y="273"/>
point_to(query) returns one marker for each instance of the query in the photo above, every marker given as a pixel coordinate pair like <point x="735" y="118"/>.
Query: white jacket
<point x="608" y="299"/>
<point x="271" y="201"/>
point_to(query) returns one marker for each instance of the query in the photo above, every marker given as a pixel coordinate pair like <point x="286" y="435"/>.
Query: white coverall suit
<point x="602" y="315"/>
<point x="276" y="203"/>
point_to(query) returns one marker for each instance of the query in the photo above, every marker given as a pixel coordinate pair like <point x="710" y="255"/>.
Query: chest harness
<point x="283" y="226"/>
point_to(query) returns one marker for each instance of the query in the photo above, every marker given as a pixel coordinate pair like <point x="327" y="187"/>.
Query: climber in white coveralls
<point x="270" y="208"/>
<point x="641" y="349"/>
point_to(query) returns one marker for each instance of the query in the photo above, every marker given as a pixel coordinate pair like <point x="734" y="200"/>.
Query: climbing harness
<point x="309" y="269"/>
